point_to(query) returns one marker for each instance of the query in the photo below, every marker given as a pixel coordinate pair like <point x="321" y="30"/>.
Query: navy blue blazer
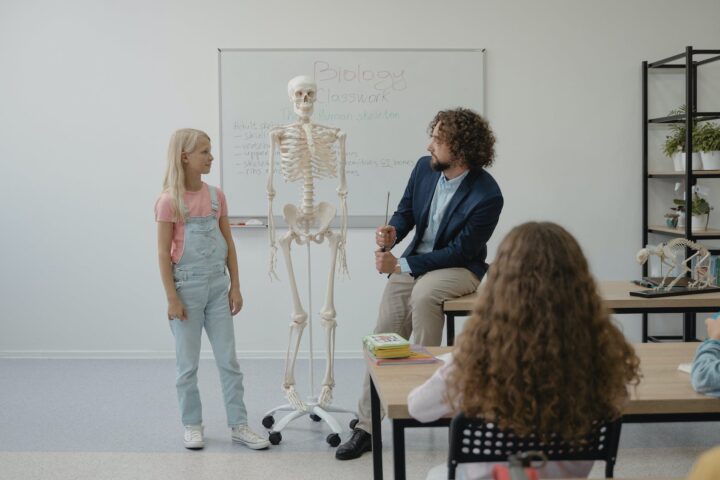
<point x="468" y="222"/>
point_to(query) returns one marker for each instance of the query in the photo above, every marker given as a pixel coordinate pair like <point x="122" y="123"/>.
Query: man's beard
<point x="437" y="166"/>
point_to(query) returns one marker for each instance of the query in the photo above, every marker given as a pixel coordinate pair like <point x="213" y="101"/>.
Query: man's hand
<point x="713" y="327"/>
<point x="385" y="262"/>
<point x="385" y="237"/>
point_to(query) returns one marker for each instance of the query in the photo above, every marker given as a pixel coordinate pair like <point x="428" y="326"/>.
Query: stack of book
<point x="392" y="349"/>
<point x="387" y="345"/>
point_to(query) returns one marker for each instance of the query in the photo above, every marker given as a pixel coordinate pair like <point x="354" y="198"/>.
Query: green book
<point x="383" y="341"/>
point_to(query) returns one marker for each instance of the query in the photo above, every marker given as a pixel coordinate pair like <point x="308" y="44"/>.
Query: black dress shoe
<point x="359" y="443"/>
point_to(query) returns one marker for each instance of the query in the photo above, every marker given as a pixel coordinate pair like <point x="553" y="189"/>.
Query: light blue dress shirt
<point x="444" y="191"/>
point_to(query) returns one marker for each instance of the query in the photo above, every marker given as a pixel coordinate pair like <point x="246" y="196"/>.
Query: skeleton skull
<point x="303" y="93"/>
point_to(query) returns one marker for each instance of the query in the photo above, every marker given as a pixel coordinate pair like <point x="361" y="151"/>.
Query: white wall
<point x="90" y="92"/>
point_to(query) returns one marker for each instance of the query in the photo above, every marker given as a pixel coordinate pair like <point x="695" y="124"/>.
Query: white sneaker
<point x="243" y="434"/>
<point x="193" y="437"/>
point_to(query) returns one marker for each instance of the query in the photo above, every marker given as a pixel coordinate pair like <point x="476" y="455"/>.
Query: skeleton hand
<point x="385" y="237"/>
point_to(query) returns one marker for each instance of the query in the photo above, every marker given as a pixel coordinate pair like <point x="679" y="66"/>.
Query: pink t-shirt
<point x="197" y="203"/>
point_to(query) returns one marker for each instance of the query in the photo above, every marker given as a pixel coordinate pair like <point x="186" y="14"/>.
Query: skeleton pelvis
<point x="322" y="215"/>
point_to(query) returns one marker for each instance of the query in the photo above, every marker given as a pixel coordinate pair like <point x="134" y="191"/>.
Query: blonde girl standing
<point x="198" y="267"/>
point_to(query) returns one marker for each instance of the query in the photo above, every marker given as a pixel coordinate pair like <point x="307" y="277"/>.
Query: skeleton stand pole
<point x="310" y="332"/>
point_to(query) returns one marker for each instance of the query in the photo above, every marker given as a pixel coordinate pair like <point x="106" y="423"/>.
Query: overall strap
<point x="214" y="201"/>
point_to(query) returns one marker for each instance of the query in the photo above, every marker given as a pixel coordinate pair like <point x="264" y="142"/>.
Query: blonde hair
<point x="539" y="353"/>
<point x="182" y="141"/>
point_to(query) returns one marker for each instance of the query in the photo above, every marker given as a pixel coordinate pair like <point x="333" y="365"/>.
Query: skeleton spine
<point x="308" y="193"/>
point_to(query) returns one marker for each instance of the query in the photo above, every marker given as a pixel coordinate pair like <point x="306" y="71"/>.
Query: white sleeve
<point x="426" y="403"/>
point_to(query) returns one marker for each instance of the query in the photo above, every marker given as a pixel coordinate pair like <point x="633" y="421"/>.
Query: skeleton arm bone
<point x="342" y="191"/>
<point x="274" y="140"/>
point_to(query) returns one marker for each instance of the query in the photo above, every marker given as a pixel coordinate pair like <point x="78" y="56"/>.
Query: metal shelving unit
<point x="689" y="62"/>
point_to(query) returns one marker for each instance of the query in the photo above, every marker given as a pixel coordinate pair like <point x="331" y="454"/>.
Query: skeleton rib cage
<point x="302" y="156"/>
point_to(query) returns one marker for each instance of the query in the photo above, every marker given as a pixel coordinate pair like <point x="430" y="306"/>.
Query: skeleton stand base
<point x="316" y="412"/>
<point x="313" y="408"/>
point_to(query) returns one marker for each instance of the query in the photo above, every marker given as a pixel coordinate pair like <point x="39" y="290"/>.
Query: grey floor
<point x="118" y="419"/>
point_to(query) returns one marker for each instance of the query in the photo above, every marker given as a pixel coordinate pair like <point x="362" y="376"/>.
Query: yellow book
<point x="391" y="352"/>
<point x="417" y="355"/>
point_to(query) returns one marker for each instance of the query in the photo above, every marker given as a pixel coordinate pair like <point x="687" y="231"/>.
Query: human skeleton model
<point x="307" y="152"/>
<point x="672" y="255"/>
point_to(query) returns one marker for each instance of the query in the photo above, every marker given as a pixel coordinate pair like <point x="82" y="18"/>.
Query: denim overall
<point x="202" y="284"/>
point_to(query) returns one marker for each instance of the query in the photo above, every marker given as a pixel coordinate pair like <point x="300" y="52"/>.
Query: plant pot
<point x="710" y="160"/>
<point x="699" y="223"/>
<point x="679" y="161"/>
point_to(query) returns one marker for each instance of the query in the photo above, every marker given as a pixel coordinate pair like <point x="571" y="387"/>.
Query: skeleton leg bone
<point x="703" y="272"/>
<point x="684" y="267"/>
<point x="299" y="321"/>
<point x="327" y="318"/>
<point x="671" y="266"/>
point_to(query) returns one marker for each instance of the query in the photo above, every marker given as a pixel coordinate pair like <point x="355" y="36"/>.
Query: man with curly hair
<point x="453" y="204"/>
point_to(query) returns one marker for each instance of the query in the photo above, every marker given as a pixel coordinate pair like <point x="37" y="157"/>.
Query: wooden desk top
<point x="663" y="389"/>
<point x="616" y="295"/>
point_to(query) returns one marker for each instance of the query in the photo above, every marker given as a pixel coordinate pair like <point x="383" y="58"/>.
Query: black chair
<point x="476" y="440"/>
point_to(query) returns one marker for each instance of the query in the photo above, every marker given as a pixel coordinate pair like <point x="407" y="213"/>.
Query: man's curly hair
<point x="540" y="353"/>
<point x="468" y="135"/>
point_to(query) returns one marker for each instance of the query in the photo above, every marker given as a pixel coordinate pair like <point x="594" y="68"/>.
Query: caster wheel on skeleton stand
<point x="275" y="438"/>
<point x="315" y="418"/>
<point x="353" y="423"/>
<point x="268" y="421"/>
<point x="333" y="439"/>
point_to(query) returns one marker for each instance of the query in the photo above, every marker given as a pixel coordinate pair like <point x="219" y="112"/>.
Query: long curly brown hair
<point x="468" y="135"/>
<point x="539" y="353"/>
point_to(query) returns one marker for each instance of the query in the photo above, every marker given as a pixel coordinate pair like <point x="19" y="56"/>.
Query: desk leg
<point x="689" y="333"/>
<point x="450" y="326"/>
<point x="398" y="449"/>
<point x="376" y="432"/>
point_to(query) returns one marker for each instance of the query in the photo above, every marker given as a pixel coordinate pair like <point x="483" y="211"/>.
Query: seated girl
<point x="705" y="373"/>
<point x="539" y="353"/>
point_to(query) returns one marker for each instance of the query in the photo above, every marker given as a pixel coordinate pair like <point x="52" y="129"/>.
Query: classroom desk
<point x="616" y="296"/>
<point x="664" y="395"/>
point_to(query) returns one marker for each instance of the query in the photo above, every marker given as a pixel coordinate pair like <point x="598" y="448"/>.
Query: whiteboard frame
<point x="354" y="221"/>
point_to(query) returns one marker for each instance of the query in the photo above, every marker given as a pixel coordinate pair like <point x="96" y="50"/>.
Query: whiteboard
<point x="383" y="99"/>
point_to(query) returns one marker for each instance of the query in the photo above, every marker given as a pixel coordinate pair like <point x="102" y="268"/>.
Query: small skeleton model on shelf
<point x="672" y="255"/>
<point x="308" y="154"/>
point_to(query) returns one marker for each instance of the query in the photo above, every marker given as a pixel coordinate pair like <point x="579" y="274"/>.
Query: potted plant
<point x="672" y="217"/>
<point x="707" y="141"/>
<point x="675" y="143"/>
<point x="700" y="211"/>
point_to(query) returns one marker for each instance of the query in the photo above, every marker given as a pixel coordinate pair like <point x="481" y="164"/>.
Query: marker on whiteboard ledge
<point x="250" y="222"/>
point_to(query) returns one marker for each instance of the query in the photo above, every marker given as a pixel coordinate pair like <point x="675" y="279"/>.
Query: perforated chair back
<point x="476" y="440"/>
